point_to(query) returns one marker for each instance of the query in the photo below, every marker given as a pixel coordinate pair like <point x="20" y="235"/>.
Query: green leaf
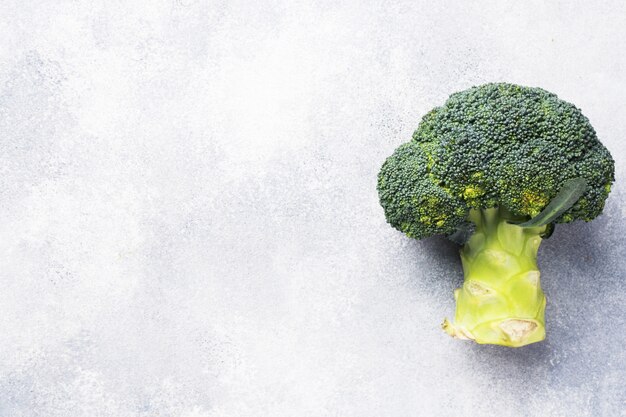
<point x="569" y="194"/>
<point x="463" y="232"/>
<point x="548" y="232"/>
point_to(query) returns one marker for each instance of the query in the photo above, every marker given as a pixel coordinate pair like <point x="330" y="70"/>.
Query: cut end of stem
<point x="511" y="332"/>
<point x="456" y="332"/>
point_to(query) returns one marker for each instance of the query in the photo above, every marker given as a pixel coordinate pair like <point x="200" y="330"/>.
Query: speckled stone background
<point x="189" y="224"/>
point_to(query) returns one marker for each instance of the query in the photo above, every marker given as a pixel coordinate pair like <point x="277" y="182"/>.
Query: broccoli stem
<point x="501" y="301"/>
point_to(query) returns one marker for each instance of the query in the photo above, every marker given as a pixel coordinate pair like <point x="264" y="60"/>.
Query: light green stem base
<point x="501" y="301"/>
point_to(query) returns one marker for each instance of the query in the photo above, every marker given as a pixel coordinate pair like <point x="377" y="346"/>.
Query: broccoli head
<point x="488" y="160"/>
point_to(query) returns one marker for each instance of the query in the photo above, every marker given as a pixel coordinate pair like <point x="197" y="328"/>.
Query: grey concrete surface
<point x="189" y="224"/>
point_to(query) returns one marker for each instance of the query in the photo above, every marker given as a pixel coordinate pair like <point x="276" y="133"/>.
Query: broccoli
<point x="495" y="168"/>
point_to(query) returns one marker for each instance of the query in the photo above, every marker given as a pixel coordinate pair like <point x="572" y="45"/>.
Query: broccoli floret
<point x="492" y="156"/>
<point x="413" y="200"/>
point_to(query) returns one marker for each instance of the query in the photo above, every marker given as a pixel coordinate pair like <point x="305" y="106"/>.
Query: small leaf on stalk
<point x="548" y="232"/>
<point x="569" y="194"/>
<point x="462" y="234"/>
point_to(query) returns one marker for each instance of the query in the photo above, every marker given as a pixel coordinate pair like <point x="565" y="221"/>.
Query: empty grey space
<point x="189" y="223"/>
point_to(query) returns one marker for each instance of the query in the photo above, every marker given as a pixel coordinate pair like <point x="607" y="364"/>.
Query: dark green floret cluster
<point x="496" y="145"/>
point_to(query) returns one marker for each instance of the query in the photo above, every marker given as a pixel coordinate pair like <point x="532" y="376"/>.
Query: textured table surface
<point x="189" y="224"/>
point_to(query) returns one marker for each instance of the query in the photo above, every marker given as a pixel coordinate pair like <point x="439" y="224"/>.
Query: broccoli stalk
<point x="501" y="301"/>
